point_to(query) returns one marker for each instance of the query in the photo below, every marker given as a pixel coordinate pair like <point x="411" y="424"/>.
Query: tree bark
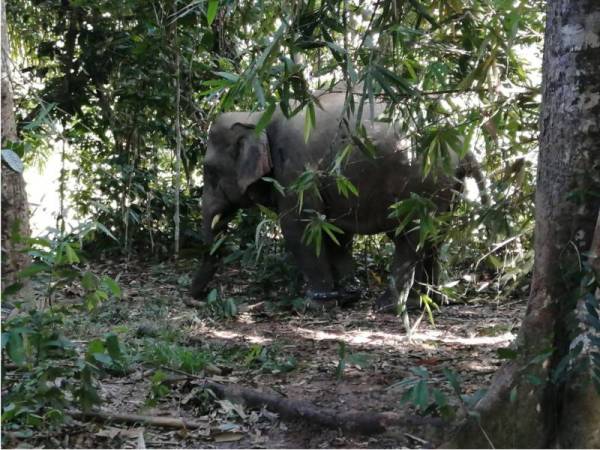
<point x="15" y="208"/>
<point x="177" y="181"/>
<point x="528" y="404"/>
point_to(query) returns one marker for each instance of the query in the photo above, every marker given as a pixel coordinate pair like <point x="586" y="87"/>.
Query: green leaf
<point x="400" y="83"/>
<point x="158" y="377"/>
<point x="452" y="378"/>
<point x="106" y="231"/>
<point x="95" y="346"/>
<point x="330" y="229"/>
<point x="102" y="358"/>
<point x="341" y="157"/>
<point x="259" y="91"/>
<point x="70" y="254"/>
<point x="265" y="118"/>
<point x="359" y="359"/>
<point x="211" y="11"/>
<point x="345" y="186"/>
<point x="309" y="121"/>
<point x="12" y="160"/>
<point x="318" y="237"/>
<point x="440" y="398"/>
<point x="217" y="244"/>
<point x="507" y="353"/>
<point x="33" y="269"/>
<point x="386" y="87"/>
<point x="428" y="303"/>
<point x="230" y="307"/>
<point x="212" y="296"/>
<point x="89" y="281"/>
<point x="40" y="119"/>
<point x="12" y="289"/>
<point x="15" y="347"/>
<point x="421" y="395"/>
<point x="424" y="12"/>
<point x="113" y="347"/>
<point x="112" y="285"/>
<point x="536" y="381"/>
<point x="91" y="300"/>
<point x="513" y="395"/>
<point x="542" y="357"/>
<point x="231" y="77"/>
<point x="276" y="184"/>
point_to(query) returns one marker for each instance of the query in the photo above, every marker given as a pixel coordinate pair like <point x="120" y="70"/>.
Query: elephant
<point x="240" y="166"/>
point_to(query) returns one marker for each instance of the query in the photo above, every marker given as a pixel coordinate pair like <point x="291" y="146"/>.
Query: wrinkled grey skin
<point x="237" y="159"/>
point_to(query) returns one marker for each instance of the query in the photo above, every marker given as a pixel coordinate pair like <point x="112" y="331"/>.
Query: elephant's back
<point x="391" y="176"/>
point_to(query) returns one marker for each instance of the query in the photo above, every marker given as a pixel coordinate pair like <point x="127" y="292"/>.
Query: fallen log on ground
<point x="368" y="422"/>
<point x="159" y="421"/>
<point x="356" y="422"/>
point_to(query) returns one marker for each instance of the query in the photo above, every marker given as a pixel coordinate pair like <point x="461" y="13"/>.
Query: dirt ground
<point x="345" y="359"/>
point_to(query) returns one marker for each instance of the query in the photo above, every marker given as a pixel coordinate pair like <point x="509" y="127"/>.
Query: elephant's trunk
<point x="203" y="275"/>
<point x="208" y="235"/>
<point x="211" y="225"/>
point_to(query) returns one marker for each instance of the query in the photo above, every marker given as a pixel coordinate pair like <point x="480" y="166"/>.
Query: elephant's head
<point x="236" y="158"/>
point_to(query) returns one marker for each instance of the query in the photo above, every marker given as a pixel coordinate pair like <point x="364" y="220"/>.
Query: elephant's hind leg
<point x="427" y="272"/>
<point x="402" y="276"/>
<point x="342" y="266"/>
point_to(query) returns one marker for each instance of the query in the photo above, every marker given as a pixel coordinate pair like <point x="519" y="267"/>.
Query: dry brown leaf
<point x="109" y="432"/>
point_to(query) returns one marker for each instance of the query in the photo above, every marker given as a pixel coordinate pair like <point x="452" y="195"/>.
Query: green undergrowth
<point x="45" y="374"/>
<point x="47" y="370"/>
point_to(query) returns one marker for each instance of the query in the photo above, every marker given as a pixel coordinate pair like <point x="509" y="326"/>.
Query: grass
<point x="191" y="360"/>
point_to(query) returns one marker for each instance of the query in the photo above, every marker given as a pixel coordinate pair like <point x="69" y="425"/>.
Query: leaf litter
<point x="344" y="359"/>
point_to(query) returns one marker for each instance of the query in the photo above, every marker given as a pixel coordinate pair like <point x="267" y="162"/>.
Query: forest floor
<point x="346" y="360"/>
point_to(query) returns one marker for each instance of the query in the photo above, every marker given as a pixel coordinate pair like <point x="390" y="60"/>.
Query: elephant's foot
<point x="388" y="303"/>
<point x="201" y="279"/>
<point x="349" y="287"/>
<point x="324" y="300"/>
<point x="321" y="300"/>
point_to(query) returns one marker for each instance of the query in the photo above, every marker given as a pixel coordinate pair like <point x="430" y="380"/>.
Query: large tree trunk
<point x="525" y="406"/>
<point x="15" y="209"/>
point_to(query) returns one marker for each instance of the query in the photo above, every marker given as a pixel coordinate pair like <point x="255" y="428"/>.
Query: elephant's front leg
<point x="317" y="271"/>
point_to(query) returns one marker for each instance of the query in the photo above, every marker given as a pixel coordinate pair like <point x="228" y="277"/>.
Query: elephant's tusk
<point x="215" y="221"/>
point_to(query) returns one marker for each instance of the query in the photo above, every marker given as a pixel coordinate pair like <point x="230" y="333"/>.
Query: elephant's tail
<point x="472" y="168"/>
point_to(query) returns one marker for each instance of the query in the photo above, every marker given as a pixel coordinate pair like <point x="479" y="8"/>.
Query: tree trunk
<point x="15" y="209"/>
<point x="533" y="402"/>
<point x="177" y="181"/>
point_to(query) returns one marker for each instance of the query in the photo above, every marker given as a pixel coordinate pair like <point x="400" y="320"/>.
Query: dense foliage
<point x="113" y="80"/>
<point x="126" y="92"/>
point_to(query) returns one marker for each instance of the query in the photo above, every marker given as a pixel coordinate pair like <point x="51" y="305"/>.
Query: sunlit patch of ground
<point x="464" y="339"/>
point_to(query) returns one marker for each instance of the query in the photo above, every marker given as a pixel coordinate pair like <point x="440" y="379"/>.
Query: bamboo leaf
<point x="309" y="121"/>
<point x="330" y="229"/>
<point x="211" y="11"/>
<point x="265" y="118"/>
<point x="424" y="12"/>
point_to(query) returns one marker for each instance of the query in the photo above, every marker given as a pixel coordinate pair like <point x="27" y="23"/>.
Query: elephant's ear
<point x="254" y="158"/>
